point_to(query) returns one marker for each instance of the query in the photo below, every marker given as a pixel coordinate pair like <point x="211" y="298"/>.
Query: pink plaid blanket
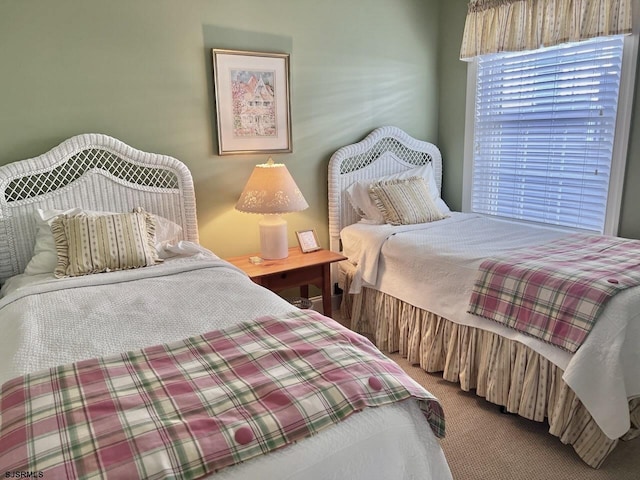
<point x="189" y="408"/>
<point x="556" y="291"/>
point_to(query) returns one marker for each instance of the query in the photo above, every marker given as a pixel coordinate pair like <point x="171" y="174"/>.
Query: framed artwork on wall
<point x="252" y="102"/>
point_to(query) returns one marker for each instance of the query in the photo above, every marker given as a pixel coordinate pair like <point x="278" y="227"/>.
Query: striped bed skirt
<point x="504" y="372"/>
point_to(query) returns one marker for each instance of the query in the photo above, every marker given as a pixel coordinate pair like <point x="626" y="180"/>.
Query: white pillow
<point x="358" y="193"/>
<point x="45" y="256"/>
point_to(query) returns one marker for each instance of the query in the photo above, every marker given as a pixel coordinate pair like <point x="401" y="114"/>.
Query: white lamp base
<point x="273" y="237"/>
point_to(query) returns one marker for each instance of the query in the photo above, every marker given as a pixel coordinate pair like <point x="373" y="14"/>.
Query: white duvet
<point x="433" y="267"/>
<point x="47" y="322"/>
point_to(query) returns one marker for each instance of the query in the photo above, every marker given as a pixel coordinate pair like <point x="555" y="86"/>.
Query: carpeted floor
<point x="482" y="443"/>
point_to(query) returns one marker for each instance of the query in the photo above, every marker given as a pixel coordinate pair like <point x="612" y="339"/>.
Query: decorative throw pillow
<point x="93" y="244"/>
<point x="45" y="257"/>
<point x="404" y="201"/>
<point x="358" y="193"/>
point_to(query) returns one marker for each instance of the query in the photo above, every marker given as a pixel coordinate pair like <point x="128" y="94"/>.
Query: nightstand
<point x="297" y="270"/>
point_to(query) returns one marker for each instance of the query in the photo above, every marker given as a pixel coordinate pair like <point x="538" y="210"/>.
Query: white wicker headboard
<point x="384" y="151"/>
<point x="95" y="172"/>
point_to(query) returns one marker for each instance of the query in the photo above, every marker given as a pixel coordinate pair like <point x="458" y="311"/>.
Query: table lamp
<point x="272" y="191"/>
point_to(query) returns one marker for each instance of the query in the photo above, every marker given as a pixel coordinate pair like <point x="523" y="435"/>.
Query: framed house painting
<point x="252" y="102"/>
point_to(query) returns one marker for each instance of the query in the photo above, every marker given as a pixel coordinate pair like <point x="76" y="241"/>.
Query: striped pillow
<point x="93" y="244"/>
<point x="404" y="201"/>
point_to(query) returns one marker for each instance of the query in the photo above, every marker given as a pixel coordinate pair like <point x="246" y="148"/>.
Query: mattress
<point x="433" y="267"/>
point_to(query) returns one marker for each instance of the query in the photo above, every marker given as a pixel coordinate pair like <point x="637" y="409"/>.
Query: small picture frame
<point x="308" y="240"/>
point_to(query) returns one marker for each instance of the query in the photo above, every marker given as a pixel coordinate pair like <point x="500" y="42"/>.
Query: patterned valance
<point x="494" y="26"/>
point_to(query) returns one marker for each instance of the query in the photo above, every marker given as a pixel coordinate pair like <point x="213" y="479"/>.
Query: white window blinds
<point x="544" y="131"/>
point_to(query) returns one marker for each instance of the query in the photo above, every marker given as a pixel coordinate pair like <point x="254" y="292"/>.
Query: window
<point x="544" y="131"/>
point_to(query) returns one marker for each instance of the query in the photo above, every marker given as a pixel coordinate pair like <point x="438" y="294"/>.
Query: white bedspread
<point x="50" y="322"/>
<point x="433" y="267"/>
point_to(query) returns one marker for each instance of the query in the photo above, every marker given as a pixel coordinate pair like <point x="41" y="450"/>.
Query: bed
<point x="408" y="287"/>
<point x="117" y="344"/>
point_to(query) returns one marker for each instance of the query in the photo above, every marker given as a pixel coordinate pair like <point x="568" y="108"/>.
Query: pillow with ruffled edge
<point x="404" y="201"/>
<point x="45" y="258"/>
<point x="88" y="244"/>
<point x="358" y="193"/>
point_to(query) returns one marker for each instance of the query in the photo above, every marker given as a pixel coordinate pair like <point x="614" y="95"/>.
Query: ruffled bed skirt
<point x="503" y="371"/>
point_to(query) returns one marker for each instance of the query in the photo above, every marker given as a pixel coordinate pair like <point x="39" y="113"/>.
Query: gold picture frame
<point x="253" y="107"/>
<point x="308" y="240"/>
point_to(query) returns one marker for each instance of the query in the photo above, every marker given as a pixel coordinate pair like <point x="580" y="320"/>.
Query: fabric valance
<point x="494" y="26"/>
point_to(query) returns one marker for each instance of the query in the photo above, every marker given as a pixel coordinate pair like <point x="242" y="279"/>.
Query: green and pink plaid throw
<point x="189" y="408"/>
<point x="556" y="291"/>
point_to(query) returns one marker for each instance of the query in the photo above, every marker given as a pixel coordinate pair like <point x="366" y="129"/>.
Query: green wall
<point x="453" y="84"/>
<point x="630" y="214"/>
<point x="140" y="70"/>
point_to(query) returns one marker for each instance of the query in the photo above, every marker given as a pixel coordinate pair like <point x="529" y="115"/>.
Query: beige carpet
<point x="482" y="443"/>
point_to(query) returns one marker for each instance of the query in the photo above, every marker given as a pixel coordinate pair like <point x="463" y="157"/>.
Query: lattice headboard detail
<point x="95" y="172"/>
<point x="384" y="151"/>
